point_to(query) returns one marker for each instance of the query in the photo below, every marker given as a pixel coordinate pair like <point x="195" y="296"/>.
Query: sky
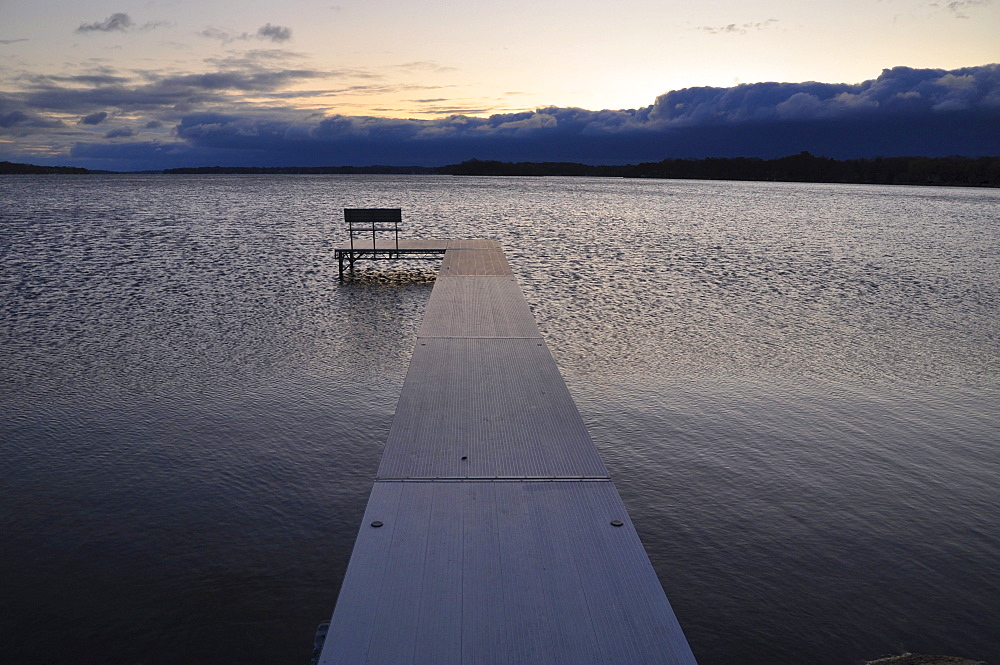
<point x="148" y="84"/>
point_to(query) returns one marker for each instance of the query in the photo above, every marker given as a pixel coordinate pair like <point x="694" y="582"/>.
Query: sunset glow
<point x="148" y="65"/>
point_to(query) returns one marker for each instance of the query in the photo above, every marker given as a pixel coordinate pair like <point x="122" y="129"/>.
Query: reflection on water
<point x="794" y="387"/>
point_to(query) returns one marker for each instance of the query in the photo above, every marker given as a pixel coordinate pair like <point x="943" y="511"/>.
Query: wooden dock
<point x="493" y="533"/>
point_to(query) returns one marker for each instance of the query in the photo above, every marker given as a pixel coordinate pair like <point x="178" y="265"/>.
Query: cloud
<point x="153" y="25"/>
<point x="425" y="66"/>
<point x="174" y="93"/>
<point x="452" y="110"/>
<point x="13" y="118"/>
<point x="274" y="33"/>
<point x="20" y="123"/>
<point x="94" y="118"/>
<point x="266" y="32"/>
<point x="740" y="28"/>
<point x="84" y="79"/>
<point x="897" y="90"/>
<point x="256" y="59"/>
<point x="958" y="7"/>
<point x="904" y="111"/>
<point x="120" y="132"/>
<point x="239" y="80"/>
<point x="118" y="22"/>
<point x="12" y="41"/>
<point x="221" y="35"/>
<point x="135" y="155"/>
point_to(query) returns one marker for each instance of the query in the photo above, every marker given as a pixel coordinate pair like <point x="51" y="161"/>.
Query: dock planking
<point x="493" y="533"/>
<point x="487" y="408"/>
<point x="478" y="306"/>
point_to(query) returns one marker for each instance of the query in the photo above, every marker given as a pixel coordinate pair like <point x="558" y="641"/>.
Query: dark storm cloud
<point x="135" y="155"/>
<point x="120" y="132"/>
<point x="146" y="97"/>
<point x="904" y="111"/>
<point x="118" y="22"/>
<point x="15" y="120"/>
<point x="898" y="90"/>
<point x="94" y="118"/>
<point x="12" y="118"/>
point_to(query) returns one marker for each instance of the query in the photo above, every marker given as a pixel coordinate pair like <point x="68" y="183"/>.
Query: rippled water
<point x="795" y="388"/>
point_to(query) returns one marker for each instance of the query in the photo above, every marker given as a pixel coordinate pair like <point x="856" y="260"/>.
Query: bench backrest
<point x="373" y="220"/>
<point x="355" y="216"/>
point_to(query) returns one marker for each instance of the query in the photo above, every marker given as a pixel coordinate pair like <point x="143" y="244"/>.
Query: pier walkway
<point x="493" y="533"/>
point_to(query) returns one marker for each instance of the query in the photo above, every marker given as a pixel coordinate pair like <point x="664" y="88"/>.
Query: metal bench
<point x="364" y="221"/>
<point x="364" y="226"/>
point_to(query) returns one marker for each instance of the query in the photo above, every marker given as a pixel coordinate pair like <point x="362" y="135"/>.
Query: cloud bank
<point x="202" y="119"/>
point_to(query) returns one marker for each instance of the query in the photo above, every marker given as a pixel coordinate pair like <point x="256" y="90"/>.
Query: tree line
<point x="803" y="167"/>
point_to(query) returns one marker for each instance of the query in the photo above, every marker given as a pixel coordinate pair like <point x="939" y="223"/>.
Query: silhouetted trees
<point x="305" y="170"/>
<point x="20" y="169"/>
<point x="803" y="167"/>
<point x="479" y="167"/>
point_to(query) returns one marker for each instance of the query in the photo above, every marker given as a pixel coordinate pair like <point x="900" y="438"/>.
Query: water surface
<point x="795" y="388"/>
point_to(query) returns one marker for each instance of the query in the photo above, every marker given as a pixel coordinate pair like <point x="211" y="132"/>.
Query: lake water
<point x="796" y="389"/>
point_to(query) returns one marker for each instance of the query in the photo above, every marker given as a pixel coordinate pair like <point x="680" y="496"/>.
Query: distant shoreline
<point x="803" y="167"/>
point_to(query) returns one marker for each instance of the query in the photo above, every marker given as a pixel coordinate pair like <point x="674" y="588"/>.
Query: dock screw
<point x="465" y="457"/>
<point x="617" y="523"/>
<point x="376" y="524"/>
